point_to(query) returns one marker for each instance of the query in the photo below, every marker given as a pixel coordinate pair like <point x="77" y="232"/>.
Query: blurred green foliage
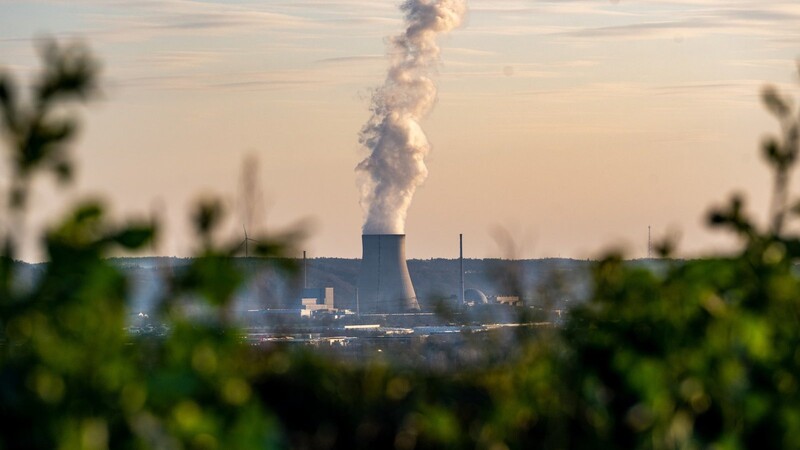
<point x="703" y="354"/>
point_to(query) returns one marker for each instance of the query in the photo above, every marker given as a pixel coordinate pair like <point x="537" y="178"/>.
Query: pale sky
<point x="572" y="124"/>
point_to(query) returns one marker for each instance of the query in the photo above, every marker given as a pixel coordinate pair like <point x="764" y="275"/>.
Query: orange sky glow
<point x="571" y="125"/>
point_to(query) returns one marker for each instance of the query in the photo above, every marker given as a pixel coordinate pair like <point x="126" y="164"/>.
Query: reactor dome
<point x="475" y="297"/>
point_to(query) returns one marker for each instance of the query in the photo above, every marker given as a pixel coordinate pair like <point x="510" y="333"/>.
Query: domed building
<point x="475" y="297"/>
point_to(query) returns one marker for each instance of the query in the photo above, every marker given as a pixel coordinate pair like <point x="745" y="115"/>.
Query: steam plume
<point x="393" y="136"/>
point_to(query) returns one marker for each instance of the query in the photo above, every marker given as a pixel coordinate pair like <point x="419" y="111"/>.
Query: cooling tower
<point x="384" y="285"/>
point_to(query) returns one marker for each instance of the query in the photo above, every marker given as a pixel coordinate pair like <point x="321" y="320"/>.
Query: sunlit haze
<point x="571" y="125"/>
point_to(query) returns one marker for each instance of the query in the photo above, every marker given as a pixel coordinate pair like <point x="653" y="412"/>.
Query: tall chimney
<point x="384" y="285"/>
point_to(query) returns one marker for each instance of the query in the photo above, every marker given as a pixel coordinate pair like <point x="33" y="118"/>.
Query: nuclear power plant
<point x="397" y="147"/>
<point x="384" y="285"/>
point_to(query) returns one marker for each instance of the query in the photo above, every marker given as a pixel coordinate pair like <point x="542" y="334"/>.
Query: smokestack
<point x="384" y="285"/>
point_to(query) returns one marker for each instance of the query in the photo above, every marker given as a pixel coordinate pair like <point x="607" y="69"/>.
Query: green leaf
<point x="134" y="236"/>
<point x="775" y="103"/>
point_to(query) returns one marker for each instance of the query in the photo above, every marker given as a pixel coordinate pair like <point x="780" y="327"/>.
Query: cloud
<point x="629" y="20"/>
<point x="232" y="16"/>
<point x="315" y="77"/>
<point x="512" y="9"/>
<point x="178" y="60"/>
<point x="351" y="59"/>
<point x="765" y="22"/>
<point x="239" y="81"/>
<point x="297" y="44"/>
<point x="265" y="84"/>
<point x="456" y="51"/>
<point x="193" y="17"/>
<point x="781" y="64"/>
<point x="712" y="91"/>
<point x="647" y="30"/>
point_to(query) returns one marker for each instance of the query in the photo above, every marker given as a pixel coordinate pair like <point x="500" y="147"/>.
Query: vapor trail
<point x="393" y="136"/>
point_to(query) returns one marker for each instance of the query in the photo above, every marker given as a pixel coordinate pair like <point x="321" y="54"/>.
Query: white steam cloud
<point x="393" y="136"/>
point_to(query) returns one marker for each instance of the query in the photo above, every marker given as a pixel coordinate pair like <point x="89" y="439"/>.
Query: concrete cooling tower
<point x="384" y="285"/>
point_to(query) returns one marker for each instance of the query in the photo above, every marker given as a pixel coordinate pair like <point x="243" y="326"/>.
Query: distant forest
<point x="435" y="280"/>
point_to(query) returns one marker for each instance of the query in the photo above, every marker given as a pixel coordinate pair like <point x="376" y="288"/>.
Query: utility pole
<point x="649" y="244"/>
<point x="461" y="261"/>
<point x="305" y="271"/>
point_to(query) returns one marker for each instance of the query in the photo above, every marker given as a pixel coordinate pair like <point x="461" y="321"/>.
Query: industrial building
<point x="316" y="299"/>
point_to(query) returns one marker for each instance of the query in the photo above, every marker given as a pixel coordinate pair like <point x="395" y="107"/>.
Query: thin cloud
<point x="513" y="9"/>
<point x="720" y="90"/>
<point x="637" y="20"/>
<point x="646" y="30"/>
<point x="761" y="63"/>
<point x="264" y="84"/>
<point x="315" y="77"/>
<point x="175" y="60"/>
<point x="351" y="59"/>
<point x="210" y="82"/>
<point x="470" y="52"/>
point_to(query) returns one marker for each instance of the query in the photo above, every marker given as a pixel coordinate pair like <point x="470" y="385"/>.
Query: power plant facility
<point x="376" y="301"/>
<point x="384" y="285"/>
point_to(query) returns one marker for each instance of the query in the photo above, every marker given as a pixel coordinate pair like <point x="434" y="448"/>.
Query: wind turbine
<point x="245" y="241"/>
